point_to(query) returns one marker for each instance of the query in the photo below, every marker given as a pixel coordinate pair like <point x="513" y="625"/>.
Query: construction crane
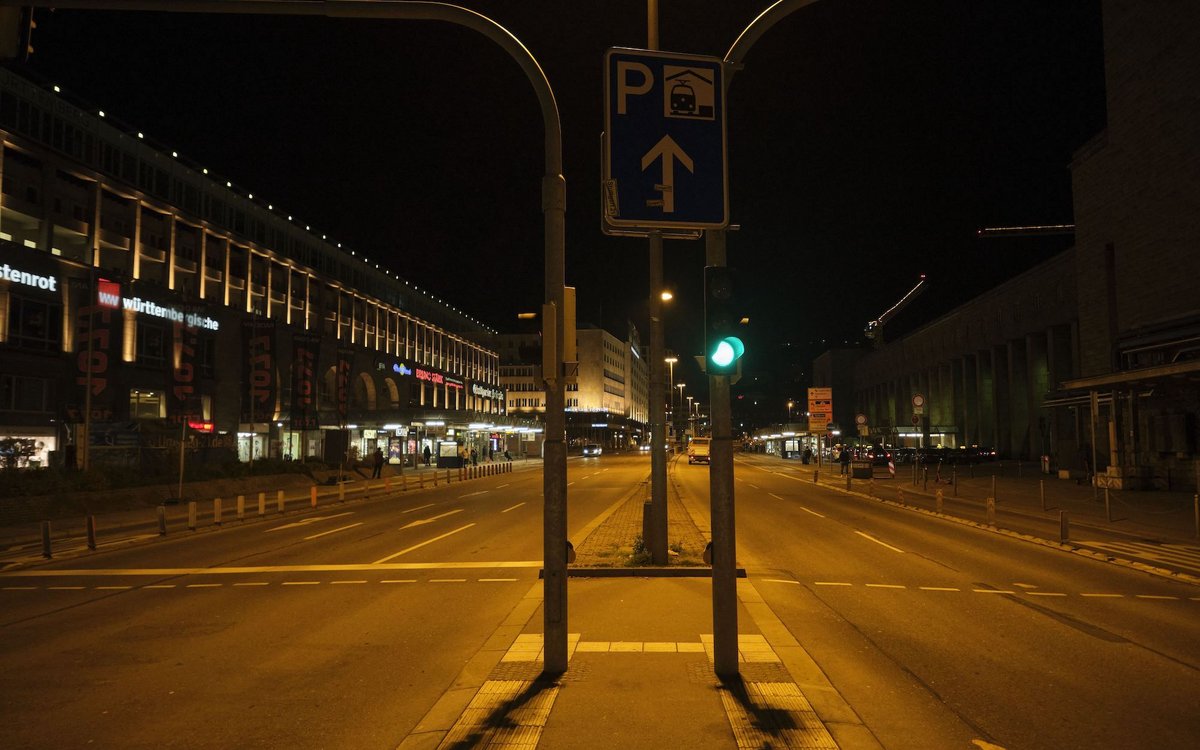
<point x="874" y="329"/>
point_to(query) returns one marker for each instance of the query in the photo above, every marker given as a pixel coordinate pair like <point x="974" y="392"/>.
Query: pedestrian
<point x="428" y="454"/>
<point x="377" y="461"/>
<point x="507" y="455"/>
<point x="474" y="458"/>
<point x="491" y="452"/>
<point x="807" y="456"/>
<point x="844" y="460"/>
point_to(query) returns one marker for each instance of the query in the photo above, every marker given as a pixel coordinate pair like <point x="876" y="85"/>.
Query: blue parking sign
<point x="665" y="164"/>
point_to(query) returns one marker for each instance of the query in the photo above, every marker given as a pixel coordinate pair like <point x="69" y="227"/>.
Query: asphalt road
<point x="939" y="634"/>
<point x="340" y="627"/>
<point x="335" y="628"/>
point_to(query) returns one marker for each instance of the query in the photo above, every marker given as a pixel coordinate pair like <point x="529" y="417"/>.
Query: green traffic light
<point x="727" y="352"/>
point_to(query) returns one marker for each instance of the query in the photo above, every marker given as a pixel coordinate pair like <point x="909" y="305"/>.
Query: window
<point x="34" y="324"/>
<point x="146" y="404"/>
<point x="26" y="394"/>
<point x="151" y="344"/>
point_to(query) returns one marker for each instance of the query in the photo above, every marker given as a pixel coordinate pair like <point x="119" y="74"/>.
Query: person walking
<point x="428" y="454"/>
<point x="474" y="457"/>
<point x="844" y="460"/>
<point x="377" y="460"/>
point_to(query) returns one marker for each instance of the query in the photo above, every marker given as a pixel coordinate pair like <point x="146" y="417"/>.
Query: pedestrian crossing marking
<point x="1179" y="555"/>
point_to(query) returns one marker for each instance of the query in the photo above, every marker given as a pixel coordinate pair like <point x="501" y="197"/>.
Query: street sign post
<point x="665" y="164"/>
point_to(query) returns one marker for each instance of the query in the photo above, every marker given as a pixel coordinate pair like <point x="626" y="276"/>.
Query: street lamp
<point x="671" y="359"/>
<point x="790" y="405"/>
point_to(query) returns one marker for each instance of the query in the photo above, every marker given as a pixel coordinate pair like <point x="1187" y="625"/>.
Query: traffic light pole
<point x="720" y="487"/>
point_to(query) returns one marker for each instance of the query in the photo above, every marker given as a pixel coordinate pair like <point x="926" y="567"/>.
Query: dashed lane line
<point x="431" y="519"/>
<point x="419" y="507"/>
<point x="306" y="522"/>
<point x="512" y="507"/>
<point x="1013" y="592"/>
<point x="884" y="544"/>
<point x="473" y="494"/>
<point x="257" y="569"/>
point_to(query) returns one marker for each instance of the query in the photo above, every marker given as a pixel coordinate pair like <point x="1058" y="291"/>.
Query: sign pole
<point x="657" y="544"/>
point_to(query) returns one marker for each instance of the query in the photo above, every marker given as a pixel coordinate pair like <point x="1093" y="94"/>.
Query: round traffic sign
<point x="916" y="419"/>
<point x="860" y="419"/>
<point x="918" y="400"/>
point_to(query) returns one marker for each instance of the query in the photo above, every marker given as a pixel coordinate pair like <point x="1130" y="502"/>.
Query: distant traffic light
<point x="723" y="345"/>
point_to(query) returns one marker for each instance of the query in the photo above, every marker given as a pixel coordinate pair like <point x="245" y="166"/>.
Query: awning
<point x="1144" y="376"/>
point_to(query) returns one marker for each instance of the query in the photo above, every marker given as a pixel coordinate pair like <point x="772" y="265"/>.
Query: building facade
<point x="142" y="300"/>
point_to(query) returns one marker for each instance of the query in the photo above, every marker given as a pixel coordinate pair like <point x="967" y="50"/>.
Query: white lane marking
<point x="253" y="583"/>
<point x="338" y="583"/>
<point x="253" y="569"/>
<point x="1155" y="596"/>
<point x="64" y="588"/>
<point x="473" y="494"/>
<point x="447" y="580"/>
<point x="1044" y="593"/>
<point x="885" y="586"/>
<point x="885" y="544"/>
<point x="1103" y="596"/>
<point x="159" y="586"/>
<point x="514" y="507"/>
<point x="818" y="515"/>
<point x="113" y="588"/>
<point x="424" y="521"/>
<point x="422" y="544"/>
<point x="502" y="486"/>
<point x="399" y="580"/>
<point x="419" y="507"/>
<point x="306" y="521"/>
<point x="755" y="486"/>
<point x="301" y="583"/>
<point x="570" y="483"/>
<point x="204" y="585"/>
<point x="831" y="583"/>
<point x="780" y="580"/>
<point x="772" y="494"/>
<point x="938" y="588"/>
<point x="333" y="531"/>
<point x="985" y="745"/>
<point x="20" y="588"/>
<point x="1024" y="585"/>
<point x="992" y="591"/>
<point x="495" y="580"/>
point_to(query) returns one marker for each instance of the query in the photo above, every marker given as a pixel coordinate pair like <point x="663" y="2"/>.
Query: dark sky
<point x="868" y="140"/>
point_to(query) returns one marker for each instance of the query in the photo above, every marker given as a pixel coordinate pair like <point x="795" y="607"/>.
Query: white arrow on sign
<point x="669" y="150"/>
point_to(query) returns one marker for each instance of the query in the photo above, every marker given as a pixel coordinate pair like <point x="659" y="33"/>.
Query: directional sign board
<point x="664" y="154"/>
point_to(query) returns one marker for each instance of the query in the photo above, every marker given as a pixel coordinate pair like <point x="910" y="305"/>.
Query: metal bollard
<point x="954" y="480"/>
<point x="279" y="500"/>
<point x="447" y="476"/>
<point x="994" y="485"/>
<point x="192" y="515"/>
<point x="939" y="501"/>
<point x="421" y="481"/>
<point x="162" y="521"/>
<point x="312" y="495"/>
<point x="217" y="511"/>
<point x="1042" y="493"/>
<point x="387" y="484"/>
<point x="262" y="503"/>
<point x="900" y="495"/>
<point x="1196" y="511"/>
<point x="925" y="478"/>
<point x="991" y="511"/>
<point x="435" y="477"/>
<point x="404" y="483"/>
<point x="1107" y="506"/>
<point x="815" y="472"/>
<point x="1063" y="527"/>
<point x="46" y="539"/>
<point x="341" y="491"/>
<point x="241" y="507"/>
<point x="91" y="532"/>
<point x="870" y="488"/>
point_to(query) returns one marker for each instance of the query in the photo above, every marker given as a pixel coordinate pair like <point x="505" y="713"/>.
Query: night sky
<point x="868" y="141"/>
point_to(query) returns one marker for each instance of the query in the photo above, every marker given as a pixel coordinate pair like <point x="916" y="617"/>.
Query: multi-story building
<point x="139" y="294"/>
<point x="607" y="400"/>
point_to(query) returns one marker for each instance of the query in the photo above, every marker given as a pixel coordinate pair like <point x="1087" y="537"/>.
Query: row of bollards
<point x="464" y="473"/>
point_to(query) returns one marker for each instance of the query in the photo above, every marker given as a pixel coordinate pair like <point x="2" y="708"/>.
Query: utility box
<point x="861" y="470"/>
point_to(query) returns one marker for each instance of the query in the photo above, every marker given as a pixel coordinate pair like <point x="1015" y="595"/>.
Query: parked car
<point x="592" y="449"/>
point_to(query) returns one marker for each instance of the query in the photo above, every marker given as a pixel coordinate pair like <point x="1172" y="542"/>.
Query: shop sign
<point x="108" y="294"/>
<point x="484" y="391"/>
<point x="37" y="281"/>
<point x="430" y="376"/>
<point x="454" y="383"/>
<point x="304" y="388"/>
<point x="258" y="370"/>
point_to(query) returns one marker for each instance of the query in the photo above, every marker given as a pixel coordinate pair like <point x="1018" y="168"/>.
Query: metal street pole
<point x="657" y="544"/>
<point x="554" y="191"/>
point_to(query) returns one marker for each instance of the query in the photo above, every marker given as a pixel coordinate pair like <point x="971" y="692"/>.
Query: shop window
<point x="34" y="324"/>
<point x="146" y="404"/>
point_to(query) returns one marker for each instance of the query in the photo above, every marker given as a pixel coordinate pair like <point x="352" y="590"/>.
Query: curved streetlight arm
<point x="756" y="28"/>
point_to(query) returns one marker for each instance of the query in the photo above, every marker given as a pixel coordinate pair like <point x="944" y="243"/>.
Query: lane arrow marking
<point x="424" y="521"/>
<point x="669" y="151"/>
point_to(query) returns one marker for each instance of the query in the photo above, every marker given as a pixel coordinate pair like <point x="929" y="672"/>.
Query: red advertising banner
<point x="258" y="371"/>
<point x="183" y="393"/>
<point x="97" y="334"/>
<point x="345" y="360"/>
<point x="305" y="351"/>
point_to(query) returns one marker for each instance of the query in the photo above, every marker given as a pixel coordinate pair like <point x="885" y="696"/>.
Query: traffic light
<point x="723" y="345"/>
